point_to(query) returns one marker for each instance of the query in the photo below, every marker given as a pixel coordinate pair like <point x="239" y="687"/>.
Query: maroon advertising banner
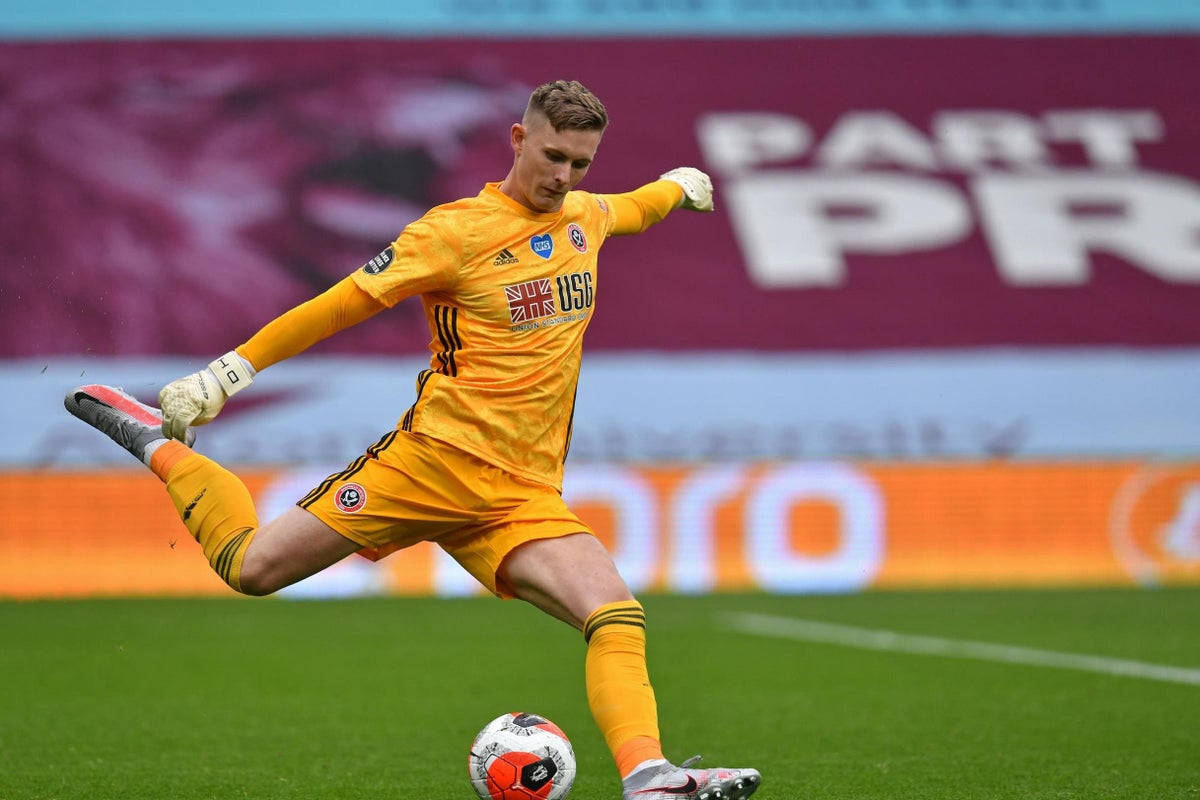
<point x="170" y="197"/>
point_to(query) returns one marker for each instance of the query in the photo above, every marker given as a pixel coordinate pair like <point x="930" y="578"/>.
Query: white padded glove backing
<point x="697" y="187"/>
<point x="197" y="398"/>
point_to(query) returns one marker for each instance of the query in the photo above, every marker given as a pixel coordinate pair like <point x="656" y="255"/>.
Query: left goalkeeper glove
<point x="197" y="398"/>
<point x="697" y="187"/>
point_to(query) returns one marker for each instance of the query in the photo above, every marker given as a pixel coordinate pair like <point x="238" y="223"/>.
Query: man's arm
<point x="344" y="305"/>
<point x="425" y="257"/>
<point x="637" y="210"/>
<point x="195" y="399"/>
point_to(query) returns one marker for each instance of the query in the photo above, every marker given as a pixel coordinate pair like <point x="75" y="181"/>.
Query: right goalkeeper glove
<point x="195" y="399"/>
<point x="697" y="187"/>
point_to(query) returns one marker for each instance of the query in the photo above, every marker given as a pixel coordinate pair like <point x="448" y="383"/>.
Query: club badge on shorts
<point x="350" y="498"/>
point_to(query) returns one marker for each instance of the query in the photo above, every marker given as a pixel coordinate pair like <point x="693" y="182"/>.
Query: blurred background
<point x="942" y="331"/>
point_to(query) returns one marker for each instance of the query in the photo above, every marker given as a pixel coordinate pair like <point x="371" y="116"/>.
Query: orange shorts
<point x="411" y="488"/>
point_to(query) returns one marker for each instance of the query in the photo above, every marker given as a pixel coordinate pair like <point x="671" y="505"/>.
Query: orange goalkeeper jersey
<point x="508" y="293"/>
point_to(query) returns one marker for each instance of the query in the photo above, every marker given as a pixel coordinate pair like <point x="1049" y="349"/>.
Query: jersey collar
<point x="492" y="191"/>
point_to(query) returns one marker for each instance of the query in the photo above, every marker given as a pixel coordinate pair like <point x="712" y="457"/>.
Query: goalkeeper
<point x="507" y="279"/>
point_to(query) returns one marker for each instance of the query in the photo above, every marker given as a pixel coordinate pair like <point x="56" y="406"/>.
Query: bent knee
<point x="258" y="576"/>
<point x="256" y="585"/>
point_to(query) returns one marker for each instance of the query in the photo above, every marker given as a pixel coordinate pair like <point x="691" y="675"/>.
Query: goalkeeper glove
<point x="195" y="399"/>
<point x="697" y="187"/>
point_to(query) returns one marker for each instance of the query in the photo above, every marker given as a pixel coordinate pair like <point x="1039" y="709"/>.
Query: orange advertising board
<point x="787" y="527"/>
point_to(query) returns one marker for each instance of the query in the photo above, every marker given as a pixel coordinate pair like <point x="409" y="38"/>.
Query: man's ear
<point x="517" y="137"/>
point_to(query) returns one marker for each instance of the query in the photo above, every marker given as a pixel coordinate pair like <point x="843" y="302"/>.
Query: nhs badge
<point x="542" y="245"/>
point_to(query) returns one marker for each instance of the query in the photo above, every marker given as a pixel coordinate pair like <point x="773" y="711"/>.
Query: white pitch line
<point x="866" y="638"/>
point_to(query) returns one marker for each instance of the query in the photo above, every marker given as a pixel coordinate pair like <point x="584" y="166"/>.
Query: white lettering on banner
<point x="691" y="568"/>
<point x="1107" y="136"/>
<point x="875" y="138"/>
<point x="962" y="140"/>
<point x="979" y="140"/>
<point x="795" y="226"/>
<point x="849" y="567"/>
<point x="1042" y="223"/>
<point x="1040" y="234"/>
<point x="635" y="551"/>
<point x="732" y="142"/>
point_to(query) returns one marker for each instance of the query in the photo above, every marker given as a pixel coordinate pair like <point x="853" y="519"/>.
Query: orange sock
<point x="168" y="455"/>
<point x="618" y="686"/>
<point x="213" y="503"/>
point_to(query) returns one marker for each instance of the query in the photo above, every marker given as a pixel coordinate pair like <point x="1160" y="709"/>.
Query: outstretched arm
<point x="425" y="257"/>
<point x="197" y="398"/>
<point x="293" y="332"/>
<point x="637" y="210"/>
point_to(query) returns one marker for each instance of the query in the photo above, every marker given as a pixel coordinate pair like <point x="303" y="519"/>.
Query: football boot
<point x="117" y="414"/>
<point x="665" y="781"/>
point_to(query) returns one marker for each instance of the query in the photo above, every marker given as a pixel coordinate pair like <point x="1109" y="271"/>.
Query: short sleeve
<point x="425" y="257"/>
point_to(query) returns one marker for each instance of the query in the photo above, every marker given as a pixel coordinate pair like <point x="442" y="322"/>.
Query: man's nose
<point x="562" y="173"/>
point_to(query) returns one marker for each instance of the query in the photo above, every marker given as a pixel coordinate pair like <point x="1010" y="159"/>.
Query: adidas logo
<point x="504" y="257"/>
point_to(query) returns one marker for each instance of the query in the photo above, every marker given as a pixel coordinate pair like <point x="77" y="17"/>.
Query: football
<point x="521" y="756"/>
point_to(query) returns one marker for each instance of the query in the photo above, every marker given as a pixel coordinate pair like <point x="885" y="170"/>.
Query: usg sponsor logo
<point x="574" y="291"/>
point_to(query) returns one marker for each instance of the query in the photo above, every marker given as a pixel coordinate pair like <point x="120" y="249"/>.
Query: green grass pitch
<point x="379" y="699"/>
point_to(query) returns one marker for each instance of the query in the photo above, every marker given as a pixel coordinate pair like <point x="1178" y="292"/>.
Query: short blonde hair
<point x="568" y="105"/>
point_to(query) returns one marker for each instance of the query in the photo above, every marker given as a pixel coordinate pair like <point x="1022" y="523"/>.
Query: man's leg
<point x="568" y="577"/>
<point x="213" y="503"/>
<point x="217" y="509"/>
<point x="293" y="546"/>
<point x="574" y="579"/>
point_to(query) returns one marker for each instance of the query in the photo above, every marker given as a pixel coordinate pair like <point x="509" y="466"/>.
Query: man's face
<point x="549" y="163"/>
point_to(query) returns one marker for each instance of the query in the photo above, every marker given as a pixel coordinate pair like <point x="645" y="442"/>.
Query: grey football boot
<point x="117" y="414"/>
<point x="669" y="782"/>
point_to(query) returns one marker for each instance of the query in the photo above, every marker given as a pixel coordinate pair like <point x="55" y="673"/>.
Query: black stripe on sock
<point x="630" y="613"/>
<point x="624" y="608"/>
<point x="631" y="608"/>
<point x="224" y="559"/>
<point x="630" y="619"/>
<point x="587" y="636"/>
<point x="627" y="616"/>
<point x="627" y="610"/>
